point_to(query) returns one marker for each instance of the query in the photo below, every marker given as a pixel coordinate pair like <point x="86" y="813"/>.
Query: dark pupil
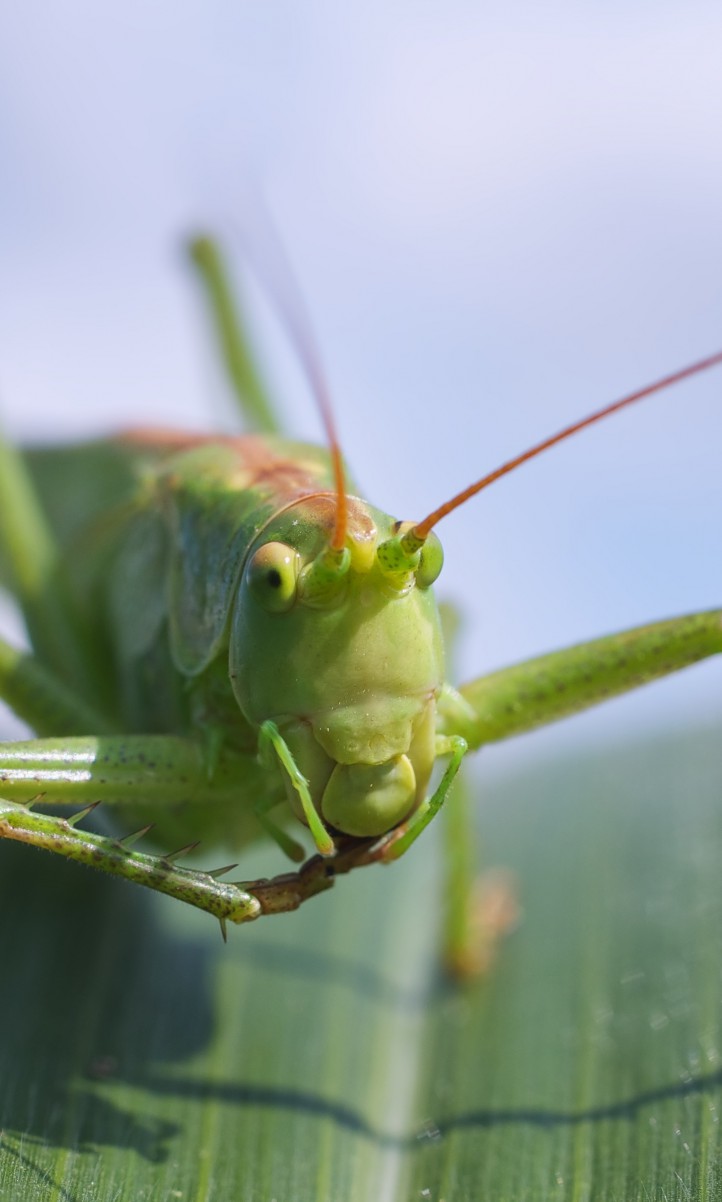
<point x="274" y="578"/>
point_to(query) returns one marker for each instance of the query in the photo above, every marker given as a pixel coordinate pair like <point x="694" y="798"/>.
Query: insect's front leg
<point x="155" y="771"/>
<point x="64" y="771"/>
<point x="79" y="771"/>
<point x="116" y="856"/>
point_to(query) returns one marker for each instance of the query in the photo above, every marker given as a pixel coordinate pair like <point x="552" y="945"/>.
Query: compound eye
<point x="431" y="563"/>
<point x="272" y="576"/>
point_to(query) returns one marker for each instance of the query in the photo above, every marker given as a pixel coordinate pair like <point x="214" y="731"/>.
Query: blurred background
<point x="502" y="216"/>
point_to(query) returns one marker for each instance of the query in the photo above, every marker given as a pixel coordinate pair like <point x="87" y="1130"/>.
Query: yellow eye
<point x="431" y="563"/>
<point x="272" y="576"/>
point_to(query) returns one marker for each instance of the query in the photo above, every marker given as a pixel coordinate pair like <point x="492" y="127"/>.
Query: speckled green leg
<point x="116" y="770"/>
<point x="550" y="687"/>
<point x="234" y="901"/>
<point x="201" y="889"/>
<point x="154" y="770"/>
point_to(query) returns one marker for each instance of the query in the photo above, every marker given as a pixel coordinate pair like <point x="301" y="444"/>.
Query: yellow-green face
<point x="350" y="674"/>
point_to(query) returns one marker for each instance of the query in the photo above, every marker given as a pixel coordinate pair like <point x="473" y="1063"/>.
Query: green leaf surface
<point x="322" y="1056"/>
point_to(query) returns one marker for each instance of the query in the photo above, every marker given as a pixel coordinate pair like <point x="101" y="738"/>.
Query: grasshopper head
<point x="342" y="650"/>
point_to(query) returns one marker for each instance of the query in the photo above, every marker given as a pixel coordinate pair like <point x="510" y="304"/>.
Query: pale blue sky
<point x="502" y="216"/>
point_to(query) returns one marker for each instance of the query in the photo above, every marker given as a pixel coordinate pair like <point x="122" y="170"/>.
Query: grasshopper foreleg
<point x="400" y="841"/>
<point x="273" y="747"/>
<point x="201" y="889"/>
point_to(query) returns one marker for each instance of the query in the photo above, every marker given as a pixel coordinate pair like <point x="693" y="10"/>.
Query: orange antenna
<point x="308" y="355"/>
<point x="417" y="534"/>
<point x="285" y="293"/>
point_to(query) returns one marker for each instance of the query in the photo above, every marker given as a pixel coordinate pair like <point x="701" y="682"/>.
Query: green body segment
<point x="153" y="529"/>
<point x="158" y="534"/>
<point x="211" y="661"/>
<point x="161" y="535"/>
<point x="205" y="649"/>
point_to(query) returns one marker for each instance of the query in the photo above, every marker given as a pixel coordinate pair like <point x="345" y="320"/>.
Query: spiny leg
<point x="234" y="901"/>
<point x="201" y="889"/>
<point x="74" y="770"/>
<point x="151" y="771"/>
<point x="157" y="770"/>
<point x="112" y="768"/>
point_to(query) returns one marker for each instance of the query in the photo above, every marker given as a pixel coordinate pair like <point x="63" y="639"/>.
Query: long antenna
<point x="299" y="332"/>
<point x="417" y="534"/>
<point x="274" y="271"/>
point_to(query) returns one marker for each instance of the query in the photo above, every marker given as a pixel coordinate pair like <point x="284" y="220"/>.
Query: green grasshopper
<point x="224" y="637"/>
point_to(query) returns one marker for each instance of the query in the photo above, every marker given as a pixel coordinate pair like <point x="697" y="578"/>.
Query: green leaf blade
<point x="322" y="1056"/>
